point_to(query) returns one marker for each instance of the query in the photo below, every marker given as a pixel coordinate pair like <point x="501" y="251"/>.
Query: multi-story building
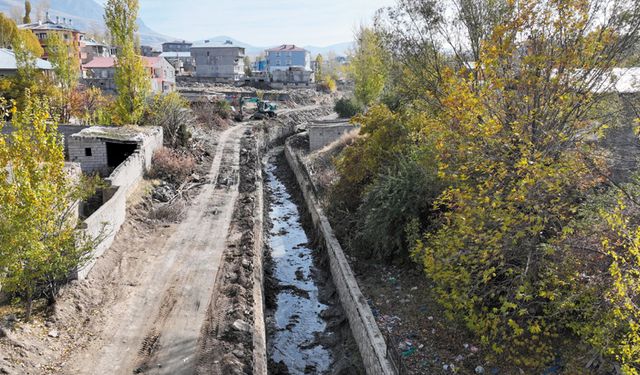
<point x="222" y="61"/>
<point x="91" y="49"/>
<point x="286" y="56"/>
<point x="289" y="64"/>
<point x="100" y="72"/>
<point x="177" y="46"/>
<point x="64" y="27"/>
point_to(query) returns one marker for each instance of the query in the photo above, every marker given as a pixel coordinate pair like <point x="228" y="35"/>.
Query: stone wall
<point x="371" y="344"/>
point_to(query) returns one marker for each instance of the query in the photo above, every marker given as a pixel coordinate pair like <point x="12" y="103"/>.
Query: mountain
<point x="340" y="49"/>
<point x="249" y="49"/>
<point x="86" y="15"/>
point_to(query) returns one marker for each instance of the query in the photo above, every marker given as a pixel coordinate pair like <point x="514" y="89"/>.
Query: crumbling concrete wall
<point x="371" y="344"/>
<point x="106" y="222"/>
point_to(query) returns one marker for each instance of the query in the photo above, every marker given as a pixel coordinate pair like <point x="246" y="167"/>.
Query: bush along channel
<point x="307" y="330"/>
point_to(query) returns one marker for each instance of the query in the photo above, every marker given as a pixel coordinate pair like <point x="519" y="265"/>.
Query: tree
<point x="40" y="246"/>
<point x="132" y="79"/>
<point x="248" y="71"/>
<point x="42" y="9"/>
<point x="91" y="106"/>
<point x="512" y="141"/>
<point x="369" y="66"/>
<point x="172" y="113"/>
<point x="27" y="12"/>
<point x="16" y="14"/>
<point x="508" y="96"/>
<point x="64" y="58"/>
<point x="8" y="31"/>
<point x="9" y="34"/>
<point x="319" y="63"/>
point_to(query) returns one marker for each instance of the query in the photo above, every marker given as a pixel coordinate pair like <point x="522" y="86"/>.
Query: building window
<point x="87" y="151"/>
<point x="277" y="54"/>
<point x="277" y="62"/>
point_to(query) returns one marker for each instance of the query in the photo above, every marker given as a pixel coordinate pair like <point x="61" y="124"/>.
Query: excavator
<point x="265" y="109"/>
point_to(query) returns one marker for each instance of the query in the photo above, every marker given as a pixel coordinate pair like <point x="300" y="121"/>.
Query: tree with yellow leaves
<point x="132" y="78"/>
<point x="39" y="244"/>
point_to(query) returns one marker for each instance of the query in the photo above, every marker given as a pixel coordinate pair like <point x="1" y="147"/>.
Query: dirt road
<point x="154" y="328"/>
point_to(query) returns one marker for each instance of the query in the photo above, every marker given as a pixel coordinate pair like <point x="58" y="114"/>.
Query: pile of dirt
<point x="227" y="344"/>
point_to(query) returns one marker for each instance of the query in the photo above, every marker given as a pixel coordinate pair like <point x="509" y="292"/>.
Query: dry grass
<point x="321" y="162"/>
<point x="170" y="165"/>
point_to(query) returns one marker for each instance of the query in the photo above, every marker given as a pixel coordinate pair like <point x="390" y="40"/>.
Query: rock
<point x="2" y="332"/>
<point x="238" y="353"/>
<point x="479" y="370"/>
<point x="241" y="325"/>
<point x="54" y="333"/>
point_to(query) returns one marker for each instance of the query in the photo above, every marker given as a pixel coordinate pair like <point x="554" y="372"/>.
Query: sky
<point x="261" y="22"/>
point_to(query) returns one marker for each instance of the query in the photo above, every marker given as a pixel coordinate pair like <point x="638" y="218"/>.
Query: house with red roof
<point x="100" y="72"/>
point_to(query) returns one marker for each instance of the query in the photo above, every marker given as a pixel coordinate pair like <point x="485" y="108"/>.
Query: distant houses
<point x="290" y="65"/>
<point x="288" y="56"/>
<point x="63" y="27"/>
<point x="100" y="72"/>
<point x="222" y="61"/>
<point x="218" y="61"/>
<point x="178" y="53"/>
<point x="9" y="66"/>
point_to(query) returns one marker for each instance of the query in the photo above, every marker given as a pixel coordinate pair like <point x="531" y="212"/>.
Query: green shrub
<point x="348" y="108"/>
<point x="172" y="113"/>
<point x="400" y="198"/>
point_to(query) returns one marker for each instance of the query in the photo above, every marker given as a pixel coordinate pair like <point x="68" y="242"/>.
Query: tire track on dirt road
<point x="156" y="328"/>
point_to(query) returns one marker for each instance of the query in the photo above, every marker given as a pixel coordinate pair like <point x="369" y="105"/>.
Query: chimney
<point x="70" y="22"/>
<point x="57" y="19"/>
<point x="64" y="20"/>
<point x="47" y="17"/>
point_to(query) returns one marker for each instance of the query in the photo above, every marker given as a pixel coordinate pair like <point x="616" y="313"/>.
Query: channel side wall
<point x="371" y="344"/>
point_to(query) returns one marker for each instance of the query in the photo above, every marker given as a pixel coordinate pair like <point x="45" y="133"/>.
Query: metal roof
<point x="287" y="48"/>
<point x="216" y="44"/>
<point x="175" y="54"/>
<point x="8" y="61"/>
<point x="49" y="25"/>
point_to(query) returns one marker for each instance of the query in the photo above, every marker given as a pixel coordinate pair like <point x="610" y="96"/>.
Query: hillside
<point x="86" y="15"/>
<point x="340" y="49"/>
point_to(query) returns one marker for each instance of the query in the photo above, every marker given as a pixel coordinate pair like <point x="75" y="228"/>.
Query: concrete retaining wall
<point x="324" y="133"/>
<point x="106" y="222"/>
<point x="371" y="344"/>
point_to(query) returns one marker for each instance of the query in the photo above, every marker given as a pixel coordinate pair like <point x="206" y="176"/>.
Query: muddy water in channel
<point x="308" y="333"/>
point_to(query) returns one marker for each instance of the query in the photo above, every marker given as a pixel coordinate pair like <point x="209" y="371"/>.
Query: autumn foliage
<point x="500" y="135"/>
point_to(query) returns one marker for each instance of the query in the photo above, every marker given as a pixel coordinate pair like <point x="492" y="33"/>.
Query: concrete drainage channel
<point x="286" y="301"/>
<point x="308" y="332"/>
